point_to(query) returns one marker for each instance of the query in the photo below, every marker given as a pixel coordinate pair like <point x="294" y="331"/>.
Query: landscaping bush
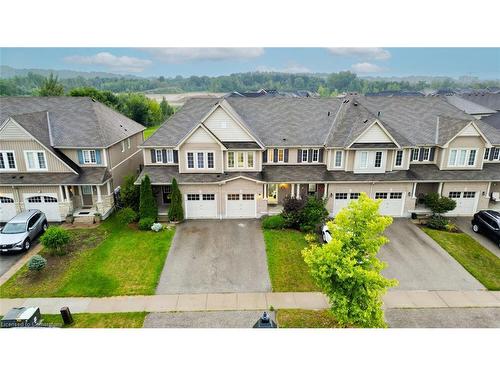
<point x="129" y="193"/>
<point x="274" y="222"/>
<point x="126" y="215"/>
<point x="437" y="222"/>
<point x="292" y="208"/>
<point x="313" y="215"/>
<point x="439" y="205"/>
<point x="146" y="223"/>
<point x="55" y="240"/>
<point x="156" y="227"/>
<point x="450" y="227"/>
<point x="175" y="211"/>
<point x="37" y="263"/>
<point x="147" y="202"/>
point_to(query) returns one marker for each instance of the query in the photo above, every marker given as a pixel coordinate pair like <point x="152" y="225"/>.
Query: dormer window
<point x="462" y="157"/>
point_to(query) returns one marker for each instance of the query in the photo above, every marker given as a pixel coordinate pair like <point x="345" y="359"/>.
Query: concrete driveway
<point x="419" y="263"/>
<point x="214" y="256"/>
<point x="463" y="223"/>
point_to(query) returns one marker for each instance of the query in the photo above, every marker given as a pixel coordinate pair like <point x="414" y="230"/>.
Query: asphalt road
<point x="212" y="319"/>
<point x="8" y="260"/>
<point x="444" y="318"/>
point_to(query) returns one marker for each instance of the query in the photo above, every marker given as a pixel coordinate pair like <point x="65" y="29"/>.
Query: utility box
<point x="21" y="317"/>
<point x="66" y="316"/>
<point x="265" y="321"/>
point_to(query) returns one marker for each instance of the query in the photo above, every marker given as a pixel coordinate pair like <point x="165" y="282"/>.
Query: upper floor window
<point x="159" y="156"/>
<point x="35" y="160"/>
<point x="425" y="154"/>
<point x="492" y="153"/>
<point x="315" y="155"/>
<point x="462" y="157"/>
<point x="414" y="154"/>
<point x="281" y="155"/>
<point x="200" y="160"/>
<point x="378" y="159"/>
<point x="398" y="161"/>
<point x="128" y="142"/>
<point x="7" y="160"/>
<point x="304" y="156"/>
<point x="338" y="158"/>
<point x="240" y="159"/>
<point x="363" y="160"/>
<point x="89" y="157"/>
<point x="123" y="146"/>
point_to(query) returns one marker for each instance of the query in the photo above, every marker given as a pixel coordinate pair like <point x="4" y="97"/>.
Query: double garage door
<point x="392" y="202"/>
<point x="204" y="205"/>
<point x="466" y="203"/>
<point x="45" y="202"/>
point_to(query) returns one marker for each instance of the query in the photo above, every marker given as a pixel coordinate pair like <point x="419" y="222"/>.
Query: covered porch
<point x="275" y="193"/>
<point x="88" y="200"/>
<point x="162" y="194"/>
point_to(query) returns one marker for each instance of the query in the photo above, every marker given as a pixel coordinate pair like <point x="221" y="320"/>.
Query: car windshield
<point x="13" y="228"/>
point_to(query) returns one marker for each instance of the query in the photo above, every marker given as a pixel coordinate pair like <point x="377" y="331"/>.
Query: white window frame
<point x="304" y="153"/>
<point x="158" y="152"/>
<point x="37" y="161"/>
<point x="170" y="156"/>
<point x="315" y="155"/>
<point x="89" y="154"/>
<point x="123" y="146"/>
<point x="381" y="159"/>
<point x="423" y="150"/>
<point x="341" y="153"/>
<point x="486" y="155"/>
<point x="5" y="159"/>
<point x="282" y="151"/>
<point x="270" y="155"/>
<point x="455" y="161"/>
<point x="195" y="159"/>
<point x="365" y="165"/>
<point x="415" y="154"/>
<point x="396" y="165"/>
<point x="245" y="159"/>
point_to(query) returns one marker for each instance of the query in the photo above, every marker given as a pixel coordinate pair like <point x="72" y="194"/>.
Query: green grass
<point x="148" y="132"/>
<point x="112" y="260"/>
<point x="289" y="318"/>
<point x="479" y="261"/>
<point x="287" y="269"/>
<point x="111" y="320"/>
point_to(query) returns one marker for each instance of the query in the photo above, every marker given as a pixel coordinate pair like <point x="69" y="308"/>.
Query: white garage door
<point x="201" y="206"/>
<point x="392" y="203"/>
<point x="342" y="200"/>
<point x="240" y="205"/>
<point x="7" y="207"/>
<point x="466" y="203"/>
<point x="47" y="203"/>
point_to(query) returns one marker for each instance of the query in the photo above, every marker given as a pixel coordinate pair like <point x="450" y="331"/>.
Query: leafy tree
<point x="175" y="211"/>
<point x="55" y="240"/>
<point x="136" y="107"/>
<point x="166" y="109"/>
<point x="130" y="193"/>
<point x="347" y="268"/>
<point x="439" y="205"/>
<point x="313" y="214"/>
<point x="292" y="208"/>
<point x="51" y="87"/>
<point x="147" y="202"/>
<point x="104" y="97"/>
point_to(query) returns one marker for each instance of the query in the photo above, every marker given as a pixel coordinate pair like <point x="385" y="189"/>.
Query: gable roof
<point x="486" y="99"/>
<point x="73" y="121"/>
<point x="468" y="106"/>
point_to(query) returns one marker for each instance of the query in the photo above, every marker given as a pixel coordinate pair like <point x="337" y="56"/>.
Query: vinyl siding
<point x="374" y="134"/>
<point x="464" y="142"/>
<point x="214" y="147"/>
<point x="225" y="128"/>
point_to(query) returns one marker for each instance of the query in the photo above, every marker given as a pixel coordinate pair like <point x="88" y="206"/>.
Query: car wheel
<point x="44" y="226"/>
<point x="27" y="244"/>
<point x="475" y="228"/>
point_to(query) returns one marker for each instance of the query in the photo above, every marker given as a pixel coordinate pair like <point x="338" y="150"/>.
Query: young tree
<point x="51" y="87"/>
<point x="175" y="211"/>
<point x="348" y="270"/>
<point x="147" y="203"/>
<point x="166" y="109"/>
<point x="439" y="205"/>
<point x="129" y="193"/>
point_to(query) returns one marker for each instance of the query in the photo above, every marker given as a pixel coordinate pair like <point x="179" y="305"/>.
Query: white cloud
<point x="366" y="67"/>
<point x="178" y="55"/>
<point x="290" y="68"/>
<point x="108" y="60"/>
<point x="362" y="53"/>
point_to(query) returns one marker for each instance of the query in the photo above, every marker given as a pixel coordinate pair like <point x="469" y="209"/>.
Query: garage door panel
<point x="466" y="203"/>
<point x="201" y="206"/>
<point x="342" y="200"/>
<point x="392" y="203"/>
<point x="45" y="202"/>
<point x="240" y="205"/>
<point x="7" y="207"/>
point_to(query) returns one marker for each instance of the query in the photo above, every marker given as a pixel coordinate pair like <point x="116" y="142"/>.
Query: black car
<point x="487" y="222"/>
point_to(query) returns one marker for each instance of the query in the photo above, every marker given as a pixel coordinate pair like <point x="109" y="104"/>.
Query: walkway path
<point x="248" y="301"/>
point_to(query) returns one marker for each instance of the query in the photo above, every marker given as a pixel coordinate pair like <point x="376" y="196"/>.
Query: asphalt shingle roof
<point x="74" y="121"/>
<point x="467" y="106"/>
<point x="86" y="176"/>
<point x="488" y="100"/>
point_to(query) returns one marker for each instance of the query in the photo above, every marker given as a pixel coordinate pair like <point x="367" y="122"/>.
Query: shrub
<point x="126" y="215"/>
<point x="439" y="205"/>
<point x="156" y="227"/>
<point x="147" y="202"/>
<point x="313" y="214"/>
<point x="437" y="222"/>
<point x="146" y="223"/>
<point x="55" y="240"/>
<point x="37" y="263"/>
<point x="292" y="208"/>
<point x="274" y="222"/>
<point x="450" y="227"/>
<point x="129" y="193"/>
<point x="175" y="211"/>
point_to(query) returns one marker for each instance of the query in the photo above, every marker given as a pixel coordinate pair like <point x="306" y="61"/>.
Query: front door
<point x="166" y="192"/>
<point x="272" y="193"/>
<point x="87" y="196"/>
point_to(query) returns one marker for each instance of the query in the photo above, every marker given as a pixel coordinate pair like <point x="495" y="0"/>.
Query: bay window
<point x="462" y="158"/>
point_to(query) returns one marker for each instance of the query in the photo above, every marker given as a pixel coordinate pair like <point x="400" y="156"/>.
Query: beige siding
<point x="225" y="128"/>
<point x="214" y="147"/>
<point x="374" y="134"/>
<point x="12" y="131"/>
<point x="54" y="164"/>
<point x="200" y="135"/>
<point x="478" y="187"/>
<point x="115" y="154"/>
<point x="464" y="142"/>
<point x="128" y="167"/>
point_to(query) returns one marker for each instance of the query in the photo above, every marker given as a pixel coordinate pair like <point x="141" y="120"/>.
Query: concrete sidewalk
<point x="248" y="301"/>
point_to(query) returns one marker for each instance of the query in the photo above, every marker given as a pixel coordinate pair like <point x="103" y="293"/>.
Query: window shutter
<point x="164" y="155"/>
<point x="299" y="156"/>
<point x="320" y="155"/>
<point x="153" y="156"/>
<point x="98" y="156"/>
<point x="286" y="155"/>
<point x="492" y="152"/>
<point x="264" y="156"/>
<point x="310" y="155"/>
<point x="176" y="157"/>
<point x="80" y="156"/>
<point x="275" y="152"/>
<point x="421" y="154"/>
<point x="431" y="155"/>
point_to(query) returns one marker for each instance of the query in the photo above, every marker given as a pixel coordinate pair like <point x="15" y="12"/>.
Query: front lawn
<point x="111" y="320"/>
<point x="110" y="260"/>
<point x="479" y="261"/>
<point x="287" y="269"/>
<point x="290" y="318"/>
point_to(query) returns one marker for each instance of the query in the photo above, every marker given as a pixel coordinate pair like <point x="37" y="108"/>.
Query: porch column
<point x="414" y="190"/>
<point x="99" y="200"/>
<point x="488" y="190"/>
<point x="61" y="194"/>
<point x="108" y="186"/>
<point x="265" y="191"/>
<point x="293" y="190"/>
<point x="440" y="188"/>
<point x="298" y="191"/>
<point x="66" y="191"/>
<point x="325" y="191"/>
<point x="80" y="190"/>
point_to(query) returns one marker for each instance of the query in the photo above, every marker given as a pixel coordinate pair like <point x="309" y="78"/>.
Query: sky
<point x="483" y="63"/>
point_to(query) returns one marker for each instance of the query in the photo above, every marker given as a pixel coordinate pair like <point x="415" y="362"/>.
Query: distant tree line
<point x="325" y="85"/>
